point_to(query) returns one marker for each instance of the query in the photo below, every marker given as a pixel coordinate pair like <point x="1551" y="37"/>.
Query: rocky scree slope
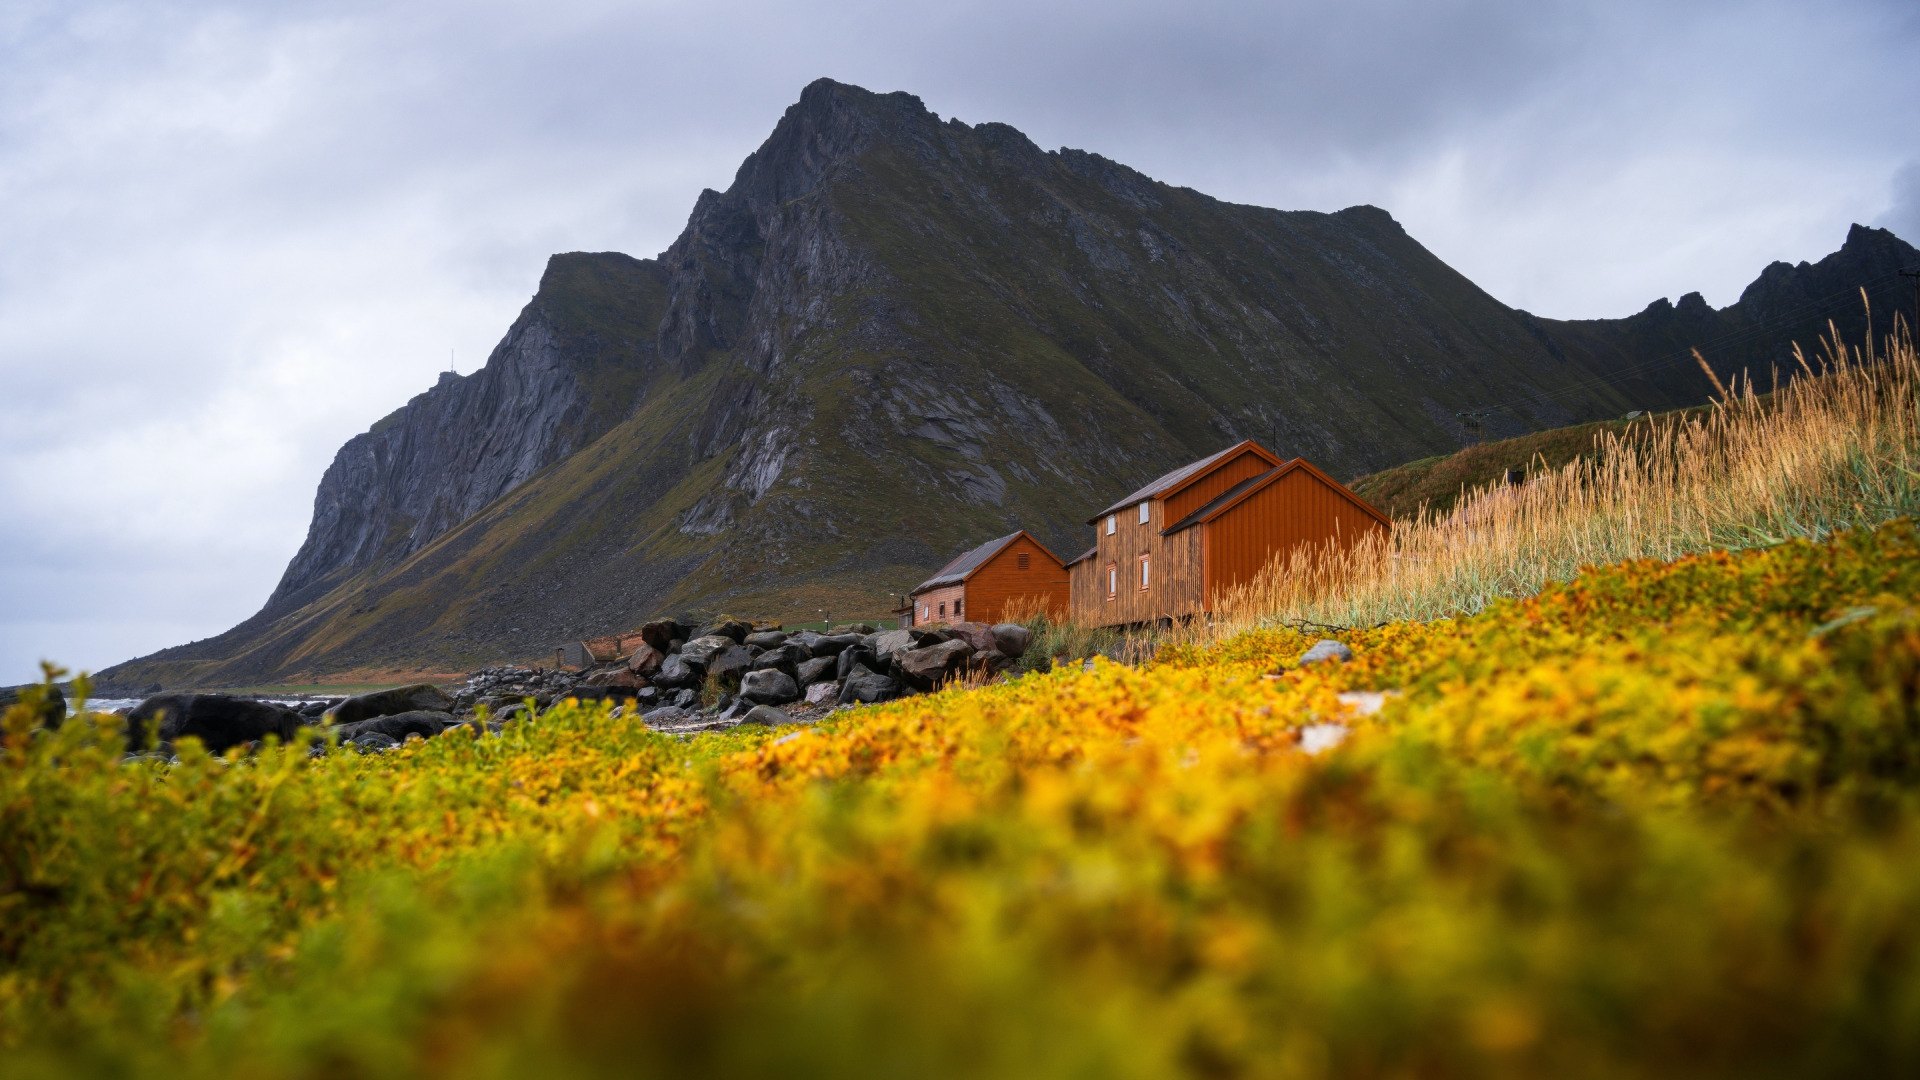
<point x="891" y="336"/>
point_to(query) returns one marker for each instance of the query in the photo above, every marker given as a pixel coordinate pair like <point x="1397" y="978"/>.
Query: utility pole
<point x="1913" y="328"/>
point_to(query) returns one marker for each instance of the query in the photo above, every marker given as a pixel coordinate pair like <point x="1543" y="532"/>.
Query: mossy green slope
<point x="891" y="338"/>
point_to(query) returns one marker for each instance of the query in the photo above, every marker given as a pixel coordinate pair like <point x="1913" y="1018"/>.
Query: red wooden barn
<point x="979" y="584"/>
<point x="1169" y="549"/>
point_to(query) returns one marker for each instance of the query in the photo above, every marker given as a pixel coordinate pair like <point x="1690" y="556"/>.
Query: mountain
<point x="890" y="337"/>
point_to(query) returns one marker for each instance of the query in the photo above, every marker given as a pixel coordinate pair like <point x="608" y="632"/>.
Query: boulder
<point x="1324" y="650"/>
<point x="603" y="693"/>
<point x="769" y="687"/>
<point x="767" y="639"/>
<point x="705" y="646"/>
<point x="823" y="692"/>
<point x="860" y="628"/>
<point x="766" y="714"/>
<point x="659" y="633"/>
<point x="665" y="714"/>
<point x="648" y="695"/>
<point x="929" y="667"/>
<point x="894" y="642"/>
<point x="415" y="698"/>
<point x="731" y="663"/>
<point x="818" y="669"/>
<point x="220" y="721"/>
<point x="1012" y="639"/>
<point x="52" y="707"/>
<point x="678" y="672"/>
<point x="978" y="635"/>
<point x="992" y="661"/>
<point x="373" y="742"/>
<point x="787" y="658"/>
<point x="686" y="699"/>
<point x="827" y="644"/>
<point x="727" y="628"/>
<point x="863" y="685"/>
<point x="621" y="678"/>
<point x="860" y="656"/>
<point x="647" y="658"/>
<point x="397" y="727"/>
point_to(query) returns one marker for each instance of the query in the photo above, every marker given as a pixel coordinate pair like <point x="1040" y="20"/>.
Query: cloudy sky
<point x="234" y="235"/>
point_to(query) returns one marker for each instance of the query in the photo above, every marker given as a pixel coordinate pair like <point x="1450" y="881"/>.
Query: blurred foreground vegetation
<point x="1660" y="821"/>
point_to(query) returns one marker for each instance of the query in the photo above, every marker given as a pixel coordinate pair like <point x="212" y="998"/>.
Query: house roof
<point x="1085" y="555"/>
<point x="1220" y="503"/>
<point x="962" y="568"/>
<point x="1185" y="474"/>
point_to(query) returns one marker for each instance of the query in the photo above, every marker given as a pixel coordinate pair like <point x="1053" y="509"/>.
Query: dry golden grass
<point x="1837" y="447"/>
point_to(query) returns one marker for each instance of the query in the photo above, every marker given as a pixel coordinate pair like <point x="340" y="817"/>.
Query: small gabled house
<point x="1171" y="548"/>
<point x="978" y="584"/>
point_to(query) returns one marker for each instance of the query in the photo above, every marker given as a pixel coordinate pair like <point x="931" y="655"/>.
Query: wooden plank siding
<point x="1246" y="465"/>
<point x="1176" y="585"/>
<point x="1236" y="514"/>
<point x="1300" y="507"/>
<point x="1000" y="581"/>
<point x="988" y="589"/>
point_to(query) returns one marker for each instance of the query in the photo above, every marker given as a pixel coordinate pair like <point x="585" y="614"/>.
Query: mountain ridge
<point x="892" y="335"/>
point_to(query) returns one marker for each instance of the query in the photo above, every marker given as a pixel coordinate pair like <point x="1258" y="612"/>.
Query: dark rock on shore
<point x="818" y="669"/>
<point x="867" y="687"/>
<point x="769" y="687"/>
<point x="930" y="668"/>
<point x="678" y="671"/>
<point x="220" y="721"/>
<point x="53" y="703"/>
<point x="418" y="697"/>
<point x="398" y="726"/>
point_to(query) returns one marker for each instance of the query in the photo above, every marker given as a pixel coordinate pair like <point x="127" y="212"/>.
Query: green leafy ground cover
<point x="1659" y="821"/>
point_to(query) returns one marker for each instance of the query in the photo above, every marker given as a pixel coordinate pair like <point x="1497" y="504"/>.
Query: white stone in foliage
<point x="1326" y="649"/>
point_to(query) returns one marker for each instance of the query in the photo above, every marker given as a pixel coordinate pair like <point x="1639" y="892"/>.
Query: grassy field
<point x="1837" y="448"/>
<point x="1658" y="819"/>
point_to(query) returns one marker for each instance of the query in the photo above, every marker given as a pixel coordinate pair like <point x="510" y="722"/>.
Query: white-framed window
<point x="1146" y="572"/>
<point x="956" y="607"/>
<point x="1112" y="520"/>
<point x="1113" y="581"/>
<point x="1143" y="513"/>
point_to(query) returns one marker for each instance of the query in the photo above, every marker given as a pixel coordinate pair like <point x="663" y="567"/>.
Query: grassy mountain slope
<point x="890" y="338"/>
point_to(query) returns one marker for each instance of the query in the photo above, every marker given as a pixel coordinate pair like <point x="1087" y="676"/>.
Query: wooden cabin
<point x="978" y="585"/>
<point x="1168" y="550"/>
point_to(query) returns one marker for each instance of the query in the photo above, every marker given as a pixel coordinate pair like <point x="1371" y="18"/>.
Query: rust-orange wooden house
<point x="979" y="583"/>
<point x="1169" y="549"/>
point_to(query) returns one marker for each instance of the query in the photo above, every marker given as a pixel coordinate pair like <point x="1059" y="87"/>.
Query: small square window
<point x="1144" y="512"/>
<point x="1111" y="520"/>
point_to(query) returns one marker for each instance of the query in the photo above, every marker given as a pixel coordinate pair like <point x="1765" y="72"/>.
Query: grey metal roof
<point x="1170" y="480"/>
<point x="956" y="571"/>
<point x="1085" y="555"/>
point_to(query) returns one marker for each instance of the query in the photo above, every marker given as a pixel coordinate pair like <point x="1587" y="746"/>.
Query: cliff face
<point x="450" y="451"/>
<point x="890" y="338"/>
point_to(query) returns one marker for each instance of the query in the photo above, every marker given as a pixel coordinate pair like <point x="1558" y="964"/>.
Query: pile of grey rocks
<point x="781" y="678"/>
<point x="851" y="664"/>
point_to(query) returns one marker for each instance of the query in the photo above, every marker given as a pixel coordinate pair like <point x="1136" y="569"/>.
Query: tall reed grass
<point x="1837" y="447"/>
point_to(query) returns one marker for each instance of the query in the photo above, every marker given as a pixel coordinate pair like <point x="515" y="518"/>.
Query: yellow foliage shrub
<point x="1659" y="820"/>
